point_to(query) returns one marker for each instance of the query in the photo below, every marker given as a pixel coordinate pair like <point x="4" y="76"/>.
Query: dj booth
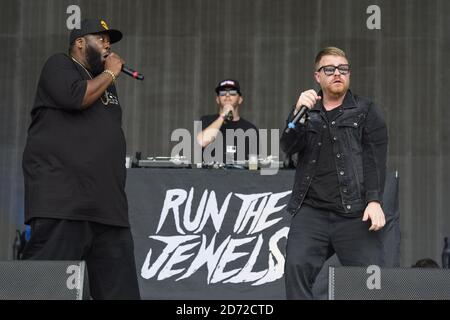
<point x="216" y="233"/>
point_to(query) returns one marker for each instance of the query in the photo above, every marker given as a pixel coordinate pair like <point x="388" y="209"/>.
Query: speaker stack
<point x="43" y="280"/>
<point x="373" y="283"/>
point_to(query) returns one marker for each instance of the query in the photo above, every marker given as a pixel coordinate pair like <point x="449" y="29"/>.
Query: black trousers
<point x="314" y="236"/>
<point x="107" y="250"/>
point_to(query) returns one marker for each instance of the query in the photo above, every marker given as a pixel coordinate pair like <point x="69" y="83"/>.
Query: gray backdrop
<point x="185" y="47"/>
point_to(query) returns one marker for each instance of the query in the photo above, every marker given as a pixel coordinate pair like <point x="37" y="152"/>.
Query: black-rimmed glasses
<point x="329" y="70"/>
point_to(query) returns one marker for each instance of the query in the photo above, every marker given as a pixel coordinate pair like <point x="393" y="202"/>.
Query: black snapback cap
<point x="92" y="26"/>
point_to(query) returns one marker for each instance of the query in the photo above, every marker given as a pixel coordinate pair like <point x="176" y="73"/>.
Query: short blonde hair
<point x="329" y="51"/>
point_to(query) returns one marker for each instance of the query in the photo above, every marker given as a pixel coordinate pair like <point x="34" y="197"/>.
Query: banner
<point x="209" y="234"/>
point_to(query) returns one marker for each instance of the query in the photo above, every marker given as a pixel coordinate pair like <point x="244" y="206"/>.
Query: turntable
<point x="164" y="162"/>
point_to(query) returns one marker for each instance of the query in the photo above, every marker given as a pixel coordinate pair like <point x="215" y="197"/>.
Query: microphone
<point x="132" y="73"/>
<point x="229" y="116"/>
<point x="298" y="116"/>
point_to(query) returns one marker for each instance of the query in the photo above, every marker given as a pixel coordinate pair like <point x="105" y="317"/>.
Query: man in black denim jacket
<point x="336" y="201"/>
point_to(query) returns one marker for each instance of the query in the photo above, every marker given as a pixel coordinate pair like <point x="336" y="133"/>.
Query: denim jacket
<point x="360" y="141"/>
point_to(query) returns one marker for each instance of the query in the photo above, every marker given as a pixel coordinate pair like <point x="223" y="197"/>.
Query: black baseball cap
<point x="230" y="84"/>
<point x="92" y="26"/>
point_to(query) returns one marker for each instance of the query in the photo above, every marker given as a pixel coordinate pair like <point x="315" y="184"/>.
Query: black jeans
<point x="107" y="250"/>
<point x="314" y="236"/>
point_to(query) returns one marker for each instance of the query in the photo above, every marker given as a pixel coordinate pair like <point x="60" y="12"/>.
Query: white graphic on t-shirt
<point x="112" y="99"/>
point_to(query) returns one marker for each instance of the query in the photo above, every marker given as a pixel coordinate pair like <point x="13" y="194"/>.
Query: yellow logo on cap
<point x="104" y="25"/>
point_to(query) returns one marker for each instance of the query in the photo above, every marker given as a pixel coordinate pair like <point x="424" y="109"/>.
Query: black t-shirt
<point x="323" y="192"/>
<point x="232" y="146"/>
<point x="74" y="159"/>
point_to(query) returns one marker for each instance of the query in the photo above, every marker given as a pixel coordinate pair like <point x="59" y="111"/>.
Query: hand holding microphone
<point x="116" y="64"/>
<point x="306" y="101"/>
<point x="227" y="113"/>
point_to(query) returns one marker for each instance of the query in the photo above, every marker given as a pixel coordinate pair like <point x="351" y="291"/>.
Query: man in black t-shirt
<point x="336" y="202"/>
<point x="74" y="165"/>
<point x="227" y="132"/>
